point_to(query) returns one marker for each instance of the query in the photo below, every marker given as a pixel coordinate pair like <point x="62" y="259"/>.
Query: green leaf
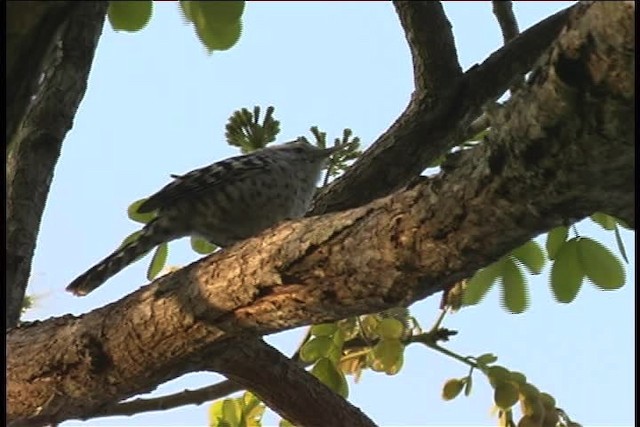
<point x="185" y="8"/>
<point x="201" y="246"/>
<point x="324" y="329"/>
<point x="390" y="328"/>
<point x="623" y="252"/>
<point x="531" y="256"/>
<point x="217" y="23"/>
<point x="219" y="38"/>
<point x="221" y="12"/>
<point x="486" y="359"/>
<point x="249" y="401"/>
<point x="368" y="324"/>
<point x="547" y="400"/>
<point x="567" y="272"/>
<point x="452" y="388"/>
<point x="330" y="376"/>
<point x="158" y="261"/>
<point x="555" y="239"/>
<point x="480" y="283"/>
<point x="334" y="354"/>
<point x="517" y="377"/>
<point x="529" y="391"/>
<point x="338" y="338"/>
<point x="215" y="413"/>
<point x="285" y="423"/>
<point x="315" y="348"/>
<point x="252" y="409"/>
<point x="231" y="412"/>
<point x="387" y="352"/>
<point x="497" y="374"/>
<point x="599" y="264"/>
<point x="505" y="394"/>
<point x="605" y="221"/>
<point x="244" y="130"/>
<point x="129" y="16"/>
<point x="395" y="367"/>
<point x="335" y="351"/>
<point x="134" y="215"/>
<point x="515" y="296"/>
<point x="130" y="238"/>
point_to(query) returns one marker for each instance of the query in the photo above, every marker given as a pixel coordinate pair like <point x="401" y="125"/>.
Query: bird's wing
<point x="209" y="177"/>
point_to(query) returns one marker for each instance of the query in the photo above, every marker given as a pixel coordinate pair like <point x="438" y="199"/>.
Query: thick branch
<point x="423" y="132"/>
<point x="259" y="366"/>
<point x="35" y="146"/>
<point x="433" y="50"/>
<point x="560" y="150"/>
<point x="207" y="393"/>
<point x="33" y="27"/>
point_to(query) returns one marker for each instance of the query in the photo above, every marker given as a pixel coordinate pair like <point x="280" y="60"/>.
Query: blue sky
<point x="157" y="104"/>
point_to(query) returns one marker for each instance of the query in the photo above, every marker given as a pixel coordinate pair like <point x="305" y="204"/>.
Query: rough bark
<point x="560" y="150"/>
<point x="33" y="27"/>
<point x="50" y="48"/>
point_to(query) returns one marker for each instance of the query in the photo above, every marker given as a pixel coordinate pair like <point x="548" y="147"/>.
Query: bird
<point x="223" y="203"/>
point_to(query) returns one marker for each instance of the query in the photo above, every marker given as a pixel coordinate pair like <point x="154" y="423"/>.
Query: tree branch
<point x="66" y="50"/>
<point x="433" y="50"/>
<point x="33" y="27"/>
<point x="170" y="401"/>
<point x="560" y="150"/>
<point x="259" y="366"/>
<point x="424" y="132"/>
<point x="220" y="389"/>
<point x="503" y="10"/>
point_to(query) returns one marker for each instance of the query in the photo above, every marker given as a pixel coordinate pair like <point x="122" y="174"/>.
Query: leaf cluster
<point x="509" y="388"/>
<point x="573" y="260"/>
<point x="343" y="158"/>
<point x="218" y="24"/>
<point x="244" y="129"/>
<point x="244" y="411"/>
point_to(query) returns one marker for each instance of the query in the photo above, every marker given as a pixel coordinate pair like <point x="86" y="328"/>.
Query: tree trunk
<point x="50" y="47"/>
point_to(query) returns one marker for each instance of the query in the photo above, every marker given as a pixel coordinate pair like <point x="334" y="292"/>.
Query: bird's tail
<point x="151" y="235"/>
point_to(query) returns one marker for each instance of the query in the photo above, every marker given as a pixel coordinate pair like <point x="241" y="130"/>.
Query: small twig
<point x="503" y="10"/>
<point x="436" y="325"/>
<point x="170" y="401"/>
<point x="427" y="340"/>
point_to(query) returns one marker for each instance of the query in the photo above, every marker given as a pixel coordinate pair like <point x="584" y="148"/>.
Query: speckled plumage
<point x="224" y="203"/>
